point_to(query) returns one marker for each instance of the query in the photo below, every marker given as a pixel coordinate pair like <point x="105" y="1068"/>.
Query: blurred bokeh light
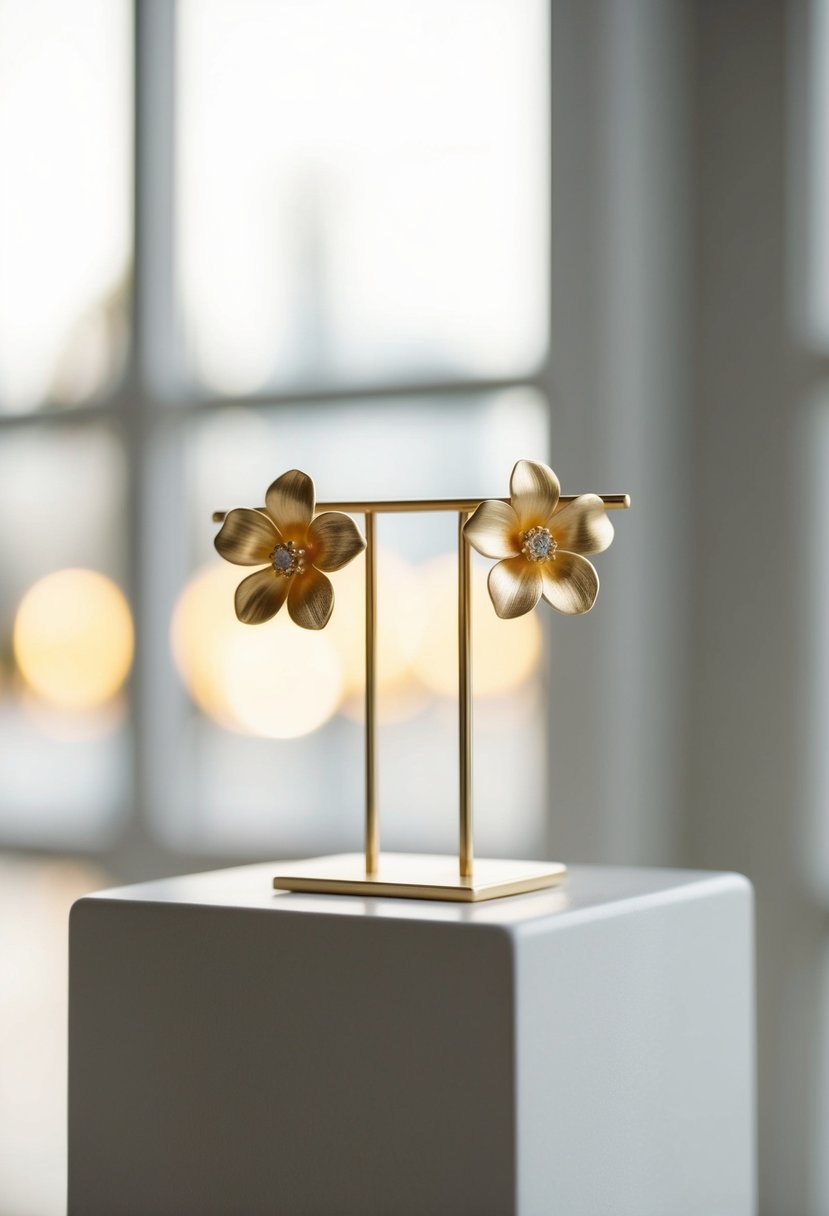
<point x="278" y="682"/>
<point x="66" y="634"/>
<point x="281" y="682"/>
<point x="73" y="639"/>
<point x="400" y="623"/>
<point x="504" y="653"/>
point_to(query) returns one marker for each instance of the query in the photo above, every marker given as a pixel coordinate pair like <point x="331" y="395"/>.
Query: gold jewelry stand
<point x="412" y="875"/>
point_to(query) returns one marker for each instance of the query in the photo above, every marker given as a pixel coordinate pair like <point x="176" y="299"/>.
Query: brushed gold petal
<point x="582" y="526"/>
<point x="571" y="583"/>
<point x="311" y="599"/>
<point x="260" y="596"/>
<point x="290" y="503"/>
<point x="534" y="493"/>
<point x="247" y="537"/>
<point x="514" y="587"/>
<point x="493" y="529"/>
<point x="333" y="540"/>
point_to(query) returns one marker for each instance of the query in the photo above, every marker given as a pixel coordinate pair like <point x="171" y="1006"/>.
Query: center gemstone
<point x="286" y="558"/>
<point x="538" y="544"/>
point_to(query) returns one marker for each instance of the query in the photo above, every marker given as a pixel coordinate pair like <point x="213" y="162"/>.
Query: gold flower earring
<point x="298" y="548"/>
<point x="542" y="546"/>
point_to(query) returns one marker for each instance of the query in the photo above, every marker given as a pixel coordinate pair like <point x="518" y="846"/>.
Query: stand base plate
<point x="417" y="876"/>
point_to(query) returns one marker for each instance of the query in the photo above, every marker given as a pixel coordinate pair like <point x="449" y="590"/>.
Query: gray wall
<point x="678" y="178"/>
<point x="750" y="578"/>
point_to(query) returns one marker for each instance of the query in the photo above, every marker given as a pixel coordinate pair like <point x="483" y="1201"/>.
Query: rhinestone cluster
<point x="287" y="559"/>
<point x="538" y="544"/>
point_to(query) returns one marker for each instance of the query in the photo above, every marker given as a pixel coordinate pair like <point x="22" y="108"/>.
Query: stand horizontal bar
<point x="394" y="506"/>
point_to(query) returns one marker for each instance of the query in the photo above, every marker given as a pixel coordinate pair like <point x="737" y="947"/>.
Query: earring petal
<point x="492" y="529"/>
<point x="534" y="493"/>
<point x="311" y="599"/>
<point x="260" y="596"/>
<point x="247" y="537"/>
<point x="582" y="526"/>
<point x="571" y="583"/>
<point x="334" y="540"/>
<point x="514" y="587"/>
<point x="290" y="503"/>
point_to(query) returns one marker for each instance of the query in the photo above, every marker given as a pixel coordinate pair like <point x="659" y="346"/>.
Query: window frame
<point x="149" y="408"/>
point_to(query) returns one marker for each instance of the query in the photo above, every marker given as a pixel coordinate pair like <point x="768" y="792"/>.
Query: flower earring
<point x="296" y="550"/>
<point x="542" y="546"/>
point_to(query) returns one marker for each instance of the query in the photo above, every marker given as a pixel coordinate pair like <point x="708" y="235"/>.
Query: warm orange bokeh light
<point x="400" y="624"/>
<point x="504" y="653"/>
<point x="203" y="620"/>
<point x="73" y="639"/>
<point x="272" y="680"/>
<point x="278" y="681"/>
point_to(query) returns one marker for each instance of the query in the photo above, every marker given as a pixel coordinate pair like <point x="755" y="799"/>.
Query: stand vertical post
<point x="466" y="857"/>
<point x="372" y="842"/>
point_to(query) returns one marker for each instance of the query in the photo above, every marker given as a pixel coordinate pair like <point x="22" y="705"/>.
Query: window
<point x="361" y="192"/>
<point x="65" y="251"/>
<point x="341" y="264"/>
<point x="65" y="206"/>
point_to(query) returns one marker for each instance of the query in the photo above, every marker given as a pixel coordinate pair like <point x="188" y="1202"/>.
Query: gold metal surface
<point x="372" y="828"/>
<point x="466" y="853"/>
<point x="298" y="547"/>
<point x="418" y="876"/>
<point x="540" y="537"/>
<point x="541" y="540"/>
<point x="394" y="506"/>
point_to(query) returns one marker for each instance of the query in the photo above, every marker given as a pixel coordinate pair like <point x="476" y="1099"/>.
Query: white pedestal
<point x="582" y="1051"/>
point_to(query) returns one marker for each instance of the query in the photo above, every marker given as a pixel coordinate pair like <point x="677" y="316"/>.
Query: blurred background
<point x="401" y="245"/>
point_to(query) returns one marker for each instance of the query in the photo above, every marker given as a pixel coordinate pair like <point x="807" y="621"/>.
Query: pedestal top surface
<point x="587" y="893"/>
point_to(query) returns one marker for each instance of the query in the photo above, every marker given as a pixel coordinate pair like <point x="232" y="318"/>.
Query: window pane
<point x="362" y="192"/>
<point x="258" y="736"/>
<point x="65" y="636"/>
<point x="64" y="205"/>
